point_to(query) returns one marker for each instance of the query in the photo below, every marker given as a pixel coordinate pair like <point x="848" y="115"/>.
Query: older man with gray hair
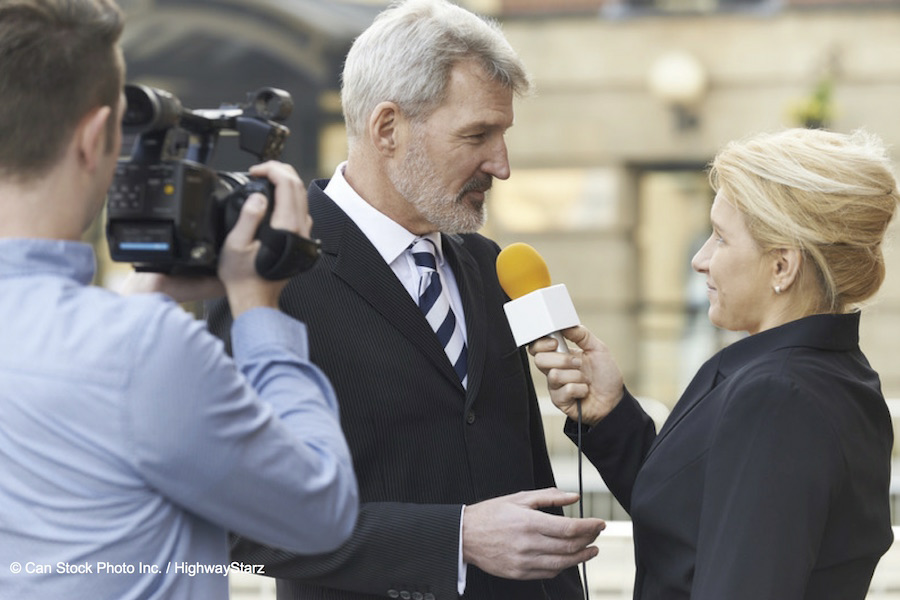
<point x="436" y="399"/>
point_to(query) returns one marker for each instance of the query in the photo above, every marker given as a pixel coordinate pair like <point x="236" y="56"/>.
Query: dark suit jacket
<point x="769" y="480"/>
<point x="422" y="445"/>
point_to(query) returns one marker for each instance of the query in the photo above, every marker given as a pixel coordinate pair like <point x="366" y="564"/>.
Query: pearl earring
<point x="777" y="289"/>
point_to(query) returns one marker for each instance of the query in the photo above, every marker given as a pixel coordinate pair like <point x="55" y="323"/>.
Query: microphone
<point x="537" y="309"/>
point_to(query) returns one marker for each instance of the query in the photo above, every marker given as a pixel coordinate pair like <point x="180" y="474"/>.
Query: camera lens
<point x="272" y="103"/>
<point x="149" y="109"/>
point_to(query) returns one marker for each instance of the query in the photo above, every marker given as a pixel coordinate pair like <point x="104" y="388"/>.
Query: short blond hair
<point x="828" y="194"/>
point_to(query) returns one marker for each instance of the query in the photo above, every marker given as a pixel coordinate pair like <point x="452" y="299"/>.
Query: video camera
<point x="169" y="212"/>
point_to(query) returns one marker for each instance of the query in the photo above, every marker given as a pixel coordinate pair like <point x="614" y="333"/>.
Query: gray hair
<point x="828" y="194"/>
<point x="406" y="56"/>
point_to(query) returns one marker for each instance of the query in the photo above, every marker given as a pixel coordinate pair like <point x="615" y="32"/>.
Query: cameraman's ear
<point x="384" y="128"/>
<point x="90" y="137"/>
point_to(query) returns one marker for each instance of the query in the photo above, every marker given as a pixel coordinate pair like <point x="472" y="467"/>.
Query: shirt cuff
<point x="463" y="567"/>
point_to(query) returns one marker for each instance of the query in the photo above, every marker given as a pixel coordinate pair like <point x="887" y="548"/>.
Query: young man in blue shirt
<point x="130" y="443"/>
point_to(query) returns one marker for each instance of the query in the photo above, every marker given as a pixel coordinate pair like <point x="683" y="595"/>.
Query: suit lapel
<point x="471" y="290"/>
<point x="358" y="264"/>
<point x="700" y="387"/>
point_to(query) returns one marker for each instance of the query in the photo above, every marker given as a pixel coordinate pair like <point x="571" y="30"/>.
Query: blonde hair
<point x="828" y="194"/>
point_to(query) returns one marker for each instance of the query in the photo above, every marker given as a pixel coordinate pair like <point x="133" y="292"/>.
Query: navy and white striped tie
<point x="435" y="304"/>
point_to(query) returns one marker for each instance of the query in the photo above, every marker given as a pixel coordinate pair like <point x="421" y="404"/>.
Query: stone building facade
<point x="634" y="98"/>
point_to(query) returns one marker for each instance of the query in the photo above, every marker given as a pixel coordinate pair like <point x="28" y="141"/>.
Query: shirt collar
<point x="824" y="332"/>
<point x="389" y="237"/>
<point x="63" y="258"/>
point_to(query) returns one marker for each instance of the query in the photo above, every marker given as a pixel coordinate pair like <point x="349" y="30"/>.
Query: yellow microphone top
<point x="521" y="270"/>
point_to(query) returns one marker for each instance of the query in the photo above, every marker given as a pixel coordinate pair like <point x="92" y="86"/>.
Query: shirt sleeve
<point x="250" y="444"/>
<point x="773" y="467"/>
<point x="376" y="559"/>
<point x="463" y="566"/>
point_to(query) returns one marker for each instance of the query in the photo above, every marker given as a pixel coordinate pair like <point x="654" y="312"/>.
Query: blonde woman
<point x="770" y="478"/>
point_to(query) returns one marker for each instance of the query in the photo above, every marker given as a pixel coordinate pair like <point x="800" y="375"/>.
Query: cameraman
<point x="129" y="441"/>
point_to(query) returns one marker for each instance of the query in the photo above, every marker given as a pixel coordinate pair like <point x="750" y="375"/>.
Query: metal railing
<point x="599" y="502"/>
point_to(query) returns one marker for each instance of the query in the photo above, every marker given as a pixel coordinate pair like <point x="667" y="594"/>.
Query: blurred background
<point x="634" y="97"/>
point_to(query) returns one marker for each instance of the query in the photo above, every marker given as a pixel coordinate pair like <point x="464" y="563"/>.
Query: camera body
<point x="168" y="211"/>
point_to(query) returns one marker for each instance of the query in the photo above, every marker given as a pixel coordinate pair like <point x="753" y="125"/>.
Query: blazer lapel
<point x="360" y="266"/>
<point x="471" y="290"/>
<point x="703" y="383"/>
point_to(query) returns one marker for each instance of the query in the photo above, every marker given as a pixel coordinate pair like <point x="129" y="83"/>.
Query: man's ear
<point x="786" y="267"/>
<point x="90" y="136"/>
<point x="385" y="128"/>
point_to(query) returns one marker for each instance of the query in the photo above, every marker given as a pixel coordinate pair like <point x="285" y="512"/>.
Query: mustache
<point x="477" y="184"/>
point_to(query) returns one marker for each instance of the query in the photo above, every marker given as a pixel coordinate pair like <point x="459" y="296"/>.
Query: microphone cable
<point x="587" y="593"/>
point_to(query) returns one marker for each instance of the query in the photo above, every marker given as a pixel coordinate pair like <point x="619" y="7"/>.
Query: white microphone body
<point x="542" y="313"/>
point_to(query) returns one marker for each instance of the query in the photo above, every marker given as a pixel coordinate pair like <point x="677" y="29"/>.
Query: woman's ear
<point x="785" y="268"/>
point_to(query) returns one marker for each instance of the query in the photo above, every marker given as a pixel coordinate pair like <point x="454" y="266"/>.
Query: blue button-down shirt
<point x="130" y="443"/>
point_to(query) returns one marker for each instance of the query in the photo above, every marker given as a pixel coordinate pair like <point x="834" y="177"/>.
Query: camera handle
<point x="282" y="254"/>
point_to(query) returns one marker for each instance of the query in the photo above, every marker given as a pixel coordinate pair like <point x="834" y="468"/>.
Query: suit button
<point x="405" y="595"/>
<point x="393" y="594"/>
<point x="417" y="596"/>
<point x="470" y="417"/>
<point x="428" y="596"/>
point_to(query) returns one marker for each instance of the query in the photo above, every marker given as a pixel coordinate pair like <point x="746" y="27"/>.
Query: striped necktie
<point x="435" y="305"/>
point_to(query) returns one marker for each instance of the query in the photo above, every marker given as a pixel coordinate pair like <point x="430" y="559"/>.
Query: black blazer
<point x="769" y="480"/>
<point x="422" y="445"/>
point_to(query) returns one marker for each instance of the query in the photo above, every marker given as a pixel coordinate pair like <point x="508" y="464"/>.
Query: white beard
<point x="417" y="181"/>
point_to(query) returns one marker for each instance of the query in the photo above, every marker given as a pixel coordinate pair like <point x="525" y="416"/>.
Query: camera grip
<point x="283" y="254"/>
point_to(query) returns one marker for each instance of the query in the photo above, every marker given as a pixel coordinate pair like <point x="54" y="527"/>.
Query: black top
<point x="769" y="480"/>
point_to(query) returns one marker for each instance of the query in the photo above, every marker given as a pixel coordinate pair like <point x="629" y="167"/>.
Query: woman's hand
<point x="587" y="374"/>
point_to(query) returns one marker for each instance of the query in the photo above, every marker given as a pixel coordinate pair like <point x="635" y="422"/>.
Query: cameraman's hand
<point x="244" y="287"/>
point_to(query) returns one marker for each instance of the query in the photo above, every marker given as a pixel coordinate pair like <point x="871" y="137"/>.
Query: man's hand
<point x="245" y="288"/>
<point x="509" y="537"/>
<point x="237" y="271"/>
